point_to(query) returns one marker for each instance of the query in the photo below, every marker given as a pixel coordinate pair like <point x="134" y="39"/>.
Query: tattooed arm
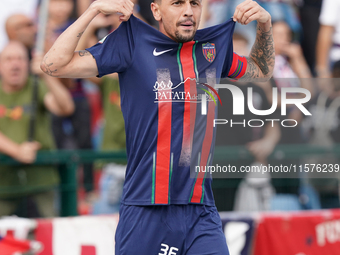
<point x="260" y="63"/>
<point x="62" y="60"/>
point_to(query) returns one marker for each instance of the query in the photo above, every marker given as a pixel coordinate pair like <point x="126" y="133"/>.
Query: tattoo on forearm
<point x="83" y="53"/>
<point x="262" y="57"/>
<point x="47" y="68"/>
<point x="80" y="34"/>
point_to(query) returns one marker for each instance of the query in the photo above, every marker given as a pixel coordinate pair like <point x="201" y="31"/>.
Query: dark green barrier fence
<point x="68" y="161"/>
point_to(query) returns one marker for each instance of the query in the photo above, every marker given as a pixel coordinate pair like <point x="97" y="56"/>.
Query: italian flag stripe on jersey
<point x="197" y="195"/>
<point x="163" y="164"/>
<point x="186" y="61"/>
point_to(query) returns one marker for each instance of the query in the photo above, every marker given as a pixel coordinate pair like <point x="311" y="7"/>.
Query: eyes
<point x="193" y="3"/>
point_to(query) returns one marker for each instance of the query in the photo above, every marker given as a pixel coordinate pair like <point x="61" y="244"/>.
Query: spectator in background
<point x="113" y="139"/>
<point x="20" y="27"/>
<point x="81" y="6"/>
<point x="323" y="129"/>
<point x="290" y="65"/>
<point x="284" y="10"/>
<point x="214" y="12"/>
<point x="279" y="10"/>
<point x="289" y="59"/>
<point x="309" y="15"/>
<point x="59" y="17"/>
<point x="328" y="45"/>
<point x="10" y="7"/>
<point x="113" y="176"/>
<point x="248" y="31"/>
<point x="143" y="11"/>
<point x="260" y="141"/>
<point x="27" y="191"/>
<point x="324" y="124"/>
<point x="290" y="70"/>
<point x="73" y="132"/>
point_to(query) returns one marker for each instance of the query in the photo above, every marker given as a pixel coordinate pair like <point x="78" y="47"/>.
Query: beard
<point x="183" y="37"/>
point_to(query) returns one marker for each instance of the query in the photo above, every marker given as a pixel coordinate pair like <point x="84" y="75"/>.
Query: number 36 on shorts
<point x="166" y="250"/>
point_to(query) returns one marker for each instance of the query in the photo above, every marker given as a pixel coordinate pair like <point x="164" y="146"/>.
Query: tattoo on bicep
<point x="83" y="53"/>
<point x="48" y="69"/>
<point x="262" y="57"/>
<point x="80" y="34"/>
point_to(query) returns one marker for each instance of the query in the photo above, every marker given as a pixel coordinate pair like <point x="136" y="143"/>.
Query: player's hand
<point x="27" y="152"/>
<point x="123" y="7"/>
<point x="292" y="50"/>
<point x="249" y="11"/>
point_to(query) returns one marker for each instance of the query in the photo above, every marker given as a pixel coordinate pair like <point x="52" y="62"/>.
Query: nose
<point x="188" y="9"/>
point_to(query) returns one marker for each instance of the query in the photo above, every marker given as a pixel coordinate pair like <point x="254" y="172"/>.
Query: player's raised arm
<point x="260" y="63"/>
<point x="62" y="60"/>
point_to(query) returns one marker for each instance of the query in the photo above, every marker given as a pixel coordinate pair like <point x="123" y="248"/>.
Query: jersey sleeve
<point x="238" y="67"/>
<point x="114" y="53"/>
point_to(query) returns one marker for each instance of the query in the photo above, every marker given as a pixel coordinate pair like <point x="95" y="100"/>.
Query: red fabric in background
<point x="88" y="250"/>
<point x="307" y="233"/>
<point x="43" y="234"/>
<point x="10" y="245"/>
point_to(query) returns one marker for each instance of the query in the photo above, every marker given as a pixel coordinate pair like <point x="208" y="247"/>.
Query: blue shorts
<point x="170" y="230"/>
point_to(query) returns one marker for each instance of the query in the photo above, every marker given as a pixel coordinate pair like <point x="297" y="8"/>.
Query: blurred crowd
<point x="85" y="113"/>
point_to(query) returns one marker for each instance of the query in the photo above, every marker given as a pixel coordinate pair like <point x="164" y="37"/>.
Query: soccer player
<point x="165" y="210"/>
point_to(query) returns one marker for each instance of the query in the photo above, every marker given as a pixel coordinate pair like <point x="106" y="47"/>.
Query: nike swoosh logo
<point x="155" y="53"/>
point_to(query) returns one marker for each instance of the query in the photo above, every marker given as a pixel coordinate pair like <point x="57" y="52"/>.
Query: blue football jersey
<point x="161" y="84"/>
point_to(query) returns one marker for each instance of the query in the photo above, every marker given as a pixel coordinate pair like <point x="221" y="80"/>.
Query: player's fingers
<point x="122" y="9"/>
<point x="253" y="17"/>
<point x="129" y="8"/>
<point x="126" y="14"/>
<point x="242" y="9"/>
<point x="235" y="15"/>
<point x="246" y="17"/>
<point x="237" y="10"/>
<point x="130" y="5"/>
<point x="251" y="7"/>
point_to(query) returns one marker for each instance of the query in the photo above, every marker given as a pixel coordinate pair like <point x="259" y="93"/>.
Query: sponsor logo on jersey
<point x="166" y="91"/>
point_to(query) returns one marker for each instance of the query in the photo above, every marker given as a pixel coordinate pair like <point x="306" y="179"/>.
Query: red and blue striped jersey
<point x="161" y="84"/>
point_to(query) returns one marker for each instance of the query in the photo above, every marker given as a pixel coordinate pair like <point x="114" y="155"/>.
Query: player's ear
<point x="155" y="10"/>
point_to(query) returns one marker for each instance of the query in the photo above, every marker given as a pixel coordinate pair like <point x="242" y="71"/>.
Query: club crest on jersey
<point x="209" y="51"/>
